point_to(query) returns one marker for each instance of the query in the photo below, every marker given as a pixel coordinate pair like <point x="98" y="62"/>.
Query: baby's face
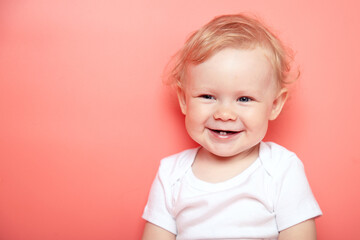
<point x="229" y="99"/>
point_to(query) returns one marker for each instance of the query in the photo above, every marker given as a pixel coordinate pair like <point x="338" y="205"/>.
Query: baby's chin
<point x="223" y="153"/>
<point x="233" y="153"/>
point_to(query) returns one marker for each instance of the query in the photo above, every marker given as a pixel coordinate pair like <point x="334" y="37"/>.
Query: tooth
<point x="222" y="133"/>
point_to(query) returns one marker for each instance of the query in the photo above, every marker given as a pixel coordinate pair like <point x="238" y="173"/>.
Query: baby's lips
<point x="224" y="132"/>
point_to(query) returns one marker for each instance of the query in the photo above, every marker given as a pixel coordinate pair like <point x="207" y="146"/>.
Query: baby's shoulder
<point x="175" y="165"/>
<point x="277" y="160"/>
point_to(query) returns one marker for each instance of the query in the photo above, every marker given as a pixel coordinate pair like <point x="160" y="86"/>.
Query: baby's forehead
<point x="242" y="62"/>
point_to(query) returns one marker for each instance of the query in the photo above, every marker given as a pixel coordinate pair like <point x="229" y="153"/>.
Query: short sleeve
<point x="156" y="210"/>
<point x="295" y="201"/>
<point x="159" y="208"/>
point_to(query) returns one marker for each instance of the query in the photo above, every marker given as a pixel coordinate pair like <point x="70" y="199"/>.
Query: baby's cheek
<point x="200" y="112"/>
<point x="256" y="119"/>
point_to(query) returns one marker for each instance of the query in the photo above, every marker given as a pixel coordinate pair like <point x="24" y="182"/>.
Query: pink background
<point x="85" y="119"/>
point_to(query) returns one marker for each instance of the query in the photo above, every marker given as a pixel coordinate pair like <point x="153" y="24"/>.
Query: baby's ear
<point x="182" y="100"/>
<point x="278" y="103"/>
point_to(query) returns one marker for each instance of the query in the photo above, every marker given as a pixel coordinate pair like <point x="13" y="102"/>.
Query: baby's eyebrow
<point x="202" y="89"/>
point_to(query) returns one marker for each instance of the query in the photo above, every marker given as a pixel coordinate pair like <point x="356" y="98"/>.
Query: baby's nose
<point x="225" y="114"/>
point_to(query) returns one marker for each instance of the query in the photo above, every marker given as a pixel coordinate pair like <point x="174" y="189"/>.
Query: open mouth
<point x="224" y="132"/>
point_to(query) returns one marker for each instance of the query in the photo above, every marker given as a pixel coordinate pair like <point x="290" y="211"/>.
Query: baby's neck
<point x="212" y="168"/>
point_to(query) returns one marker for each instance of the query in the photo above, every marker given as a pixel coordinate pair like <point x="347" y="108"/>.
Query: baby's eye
<point x="244" y="99"/>
<point x="206" y="96"/>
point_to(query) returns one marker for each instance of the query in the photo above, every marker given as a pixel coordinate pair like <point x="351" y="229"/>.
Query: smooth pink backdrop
<point x="85" y="119"/>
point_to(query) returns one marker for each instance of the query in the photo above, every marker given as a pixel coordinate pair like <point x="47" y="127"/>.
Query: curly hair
<point x="231" y="31"/>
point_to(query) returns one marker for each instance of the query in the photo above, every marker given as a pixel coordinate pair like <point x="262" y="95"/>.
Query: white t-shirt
<point x="269" y="196"/>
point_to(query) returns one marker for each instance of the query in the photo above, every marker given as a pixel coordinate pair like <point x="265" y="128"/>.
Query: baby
<point x="231" y="78"/>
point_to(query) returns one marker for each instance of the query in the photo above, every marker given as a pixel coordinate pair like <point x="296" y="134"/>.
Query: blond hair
<point x="236" y="31"/>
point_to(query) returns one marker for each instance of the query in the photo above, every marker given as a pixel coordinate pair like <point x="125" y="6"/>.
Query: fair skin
<point x="227" y="102"/>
